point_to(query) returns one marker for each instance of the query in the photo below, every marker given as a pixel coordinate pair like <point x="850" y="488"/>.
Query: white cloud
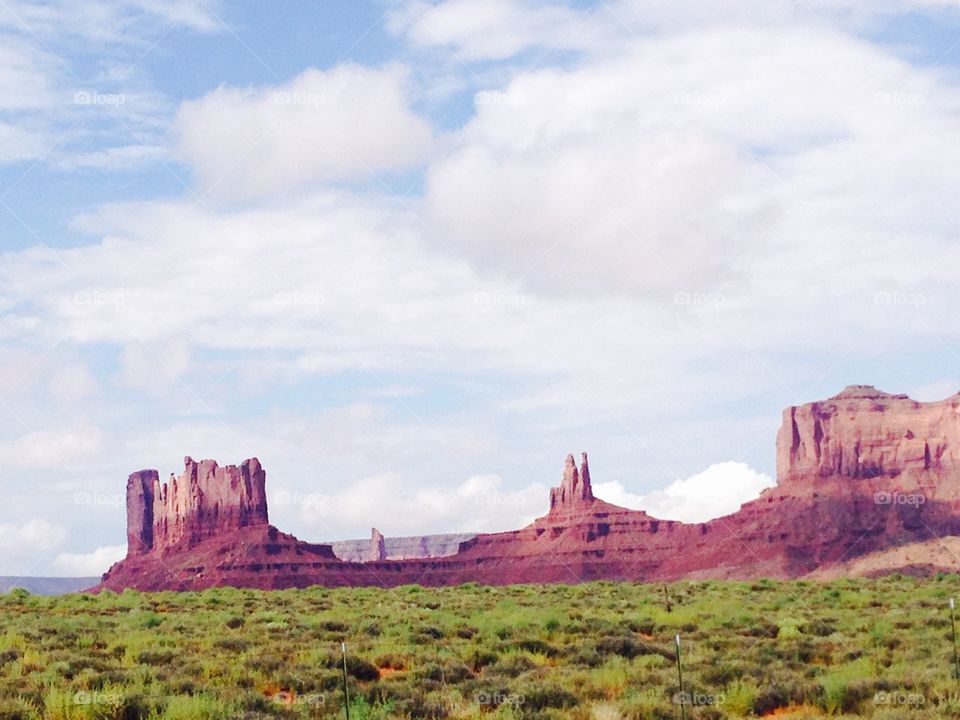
<point x="17" y="144"/>
<point x="51" y="449"/>
<point x="72" y="383"/>
<point x="126" y="157"/>
<point x="584" y="180"/>
<point x="20" y="372"/>
<point x="24" y="547"/>
<point x="346" y="123"/>
<point x="89" y="564"/>
<point x="24" y="71"/>
<point x="72" y="79"/>
<point x="491" y="29"/>
<point x="154" y="367"/>
<point x="113" y="21"/>
<point x="37" y="535"/>
<point x="398" y="506"/>
<point x="477" y="30"/>
<point x="719" y="490"/>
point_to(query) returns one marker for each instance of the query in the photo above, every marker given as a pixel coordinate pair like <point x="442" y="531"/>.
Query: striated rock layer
<point x="205" y="501"/>
<point x="861" y="472"/>
<point x="402" y="548"/>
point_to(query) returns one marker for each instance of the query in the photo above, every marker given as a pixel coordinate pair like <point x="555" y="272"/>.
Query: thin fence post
<point x="346" y="694"/>
<point x="681" y="696"/>
<point x="953" y="632"/>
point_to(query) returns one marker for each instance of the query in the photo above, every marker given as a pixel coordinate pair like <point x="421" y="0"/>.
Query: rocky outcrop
<point x="859" y="473"/>
<point x="863" y="434"/>
<point x="378" y="548"/>
<point x="403" y="548"/>
<point x="205" y="500"/>
<point x="141" y="487"/>
<point x="575" y="490"/>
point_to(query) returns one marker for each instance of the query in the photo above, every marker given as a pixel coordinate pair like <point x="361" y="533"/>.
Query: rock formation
<point x="863" y="433"/>
<point x="206" y="500"/>
<point x="858" y="474"/>
<point x="403" y="548"/>
<point x="378" y="548"/>
<point x="574" y="490"/>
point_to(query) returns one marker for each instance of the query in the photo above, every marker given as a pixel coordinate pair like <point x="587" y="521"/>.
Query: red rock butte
<point x="862" y="472"/>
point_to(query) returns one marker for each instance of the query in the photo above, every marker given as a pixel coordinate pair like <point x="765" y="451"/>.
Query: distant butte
<point x="858" y="475"/>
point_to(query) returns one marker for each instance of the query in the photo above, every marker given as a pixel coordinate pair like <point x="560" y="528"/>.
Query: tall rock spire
<point x="586" y="489"/>
<point x="378" y="546"/>
<point x="575" y="487"/>
<point x="141" y="487"/>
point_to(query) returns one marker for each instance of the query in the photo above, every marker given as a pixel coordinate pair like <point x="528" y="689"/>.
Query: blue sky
<point x="411" y="254"/>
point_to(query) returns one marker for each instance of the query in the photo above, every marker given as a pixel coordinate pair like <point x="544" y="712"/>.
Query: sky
<point x="410" y="254"/>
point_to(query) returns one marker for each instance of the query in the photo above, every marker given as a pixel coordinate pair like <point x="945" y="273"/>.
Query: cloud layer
<point x="515" y="230"/>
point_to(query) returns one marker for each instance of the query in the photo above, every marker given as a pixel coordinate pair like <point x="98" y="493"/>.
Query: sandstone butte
<point x="858" y="475"/>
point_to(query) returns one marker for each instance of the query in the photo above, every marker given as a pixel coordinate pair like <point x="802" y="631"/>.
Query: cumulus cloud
<point x="72" y="383"/>
<point x="53" y="449"/>
<point x="24" y="547"/>
<point x="398" y="506"/>
<point x="726" y="160"/>
<point x="154" y="367"/>
<point x="346" y="123"/>
<point x="17" y="143"/>
<point x="24" y="76"/>
<point x="717" y="491"/>
<point x="38" y="535"/>
<point x="89" y="564"/>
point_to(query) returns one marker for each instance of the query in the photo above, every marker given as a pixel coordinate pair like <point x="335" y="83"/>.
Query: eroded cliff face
<point x="205" y="500"/>
<point x="140" y="492"/>
<point x="403" y="548"/>
<point x="863" y="434"/>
